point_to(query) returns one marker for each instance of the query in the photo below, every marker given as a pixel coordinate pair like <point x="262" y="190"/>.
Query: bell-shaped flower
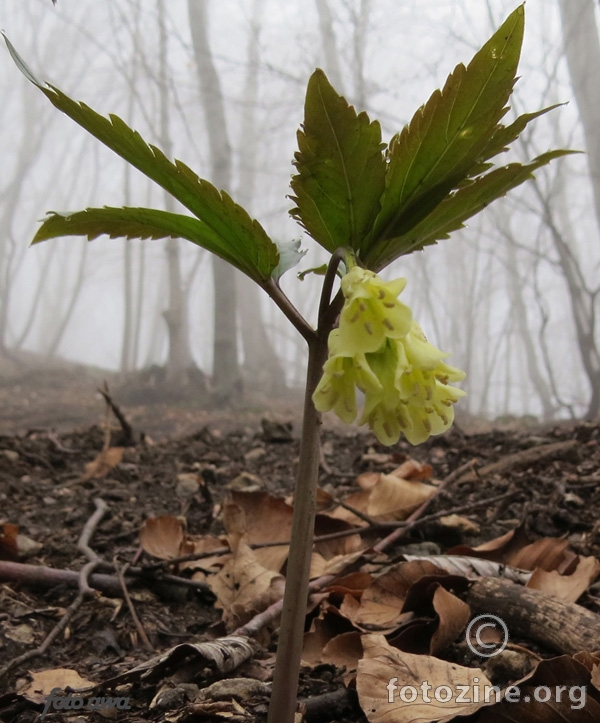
<point x="382" y="351"/>
<point x="371" y="312"/>
<point x="341" y="374"/>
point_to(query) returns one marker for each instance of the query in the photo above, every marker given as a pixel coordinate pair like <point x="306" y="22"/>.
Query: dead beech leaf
<point x="453" y="614"/>
<point x="566" y="587"/>
<point x="244" y="587"/>
<point x="103" y="464"/>
<point x="457" y="522"/>
<point x="44" y="681"/>
<point x="500" y="549"/>
<point x="577" y="703"/>
<point x="322" y="629"/>
<point x="390" y="498"/>
<point x="382" y="663"/>
<point x="344" y="651"/>
<point x="355" y="583"/>
<point x="320" y="566"/>
<point x="198" y="544"/>
<point x="162" y="536"/>
<point x="545" y="554"/>
<point x="393" y="498"/>
<point x="326" y="525"/>
<point x="368" y="480"/>
<point x="381" y="603"/>
<point x="9" y="546"/>
<point x="267" y="519"/>
<point x="411" y="469"/>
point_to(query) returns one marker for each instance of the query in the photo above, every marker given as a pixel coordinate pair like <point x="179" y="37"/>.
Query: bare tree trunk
<point x="31" y="140"/>
<point x="519" y="314"/>
<point x="261" y="364"/>
<point x="64" y="322"/>
<point x="361" y="27"/>
<point x="582" y="51"/>
<point x="330" y="51"/>
<point x="180" y="355"/>
<point x="226" y="371"/>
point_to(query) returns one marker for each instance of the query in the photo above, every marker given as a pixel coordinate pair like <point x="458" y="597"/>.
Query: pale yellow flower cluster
<point x="381" y="350"/>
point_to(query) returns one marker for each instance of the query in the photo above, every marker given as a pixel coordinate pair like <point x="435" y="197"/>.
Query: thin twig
<point x="90" y="528"/>
<point x="138" y="623"/>
<point x="116" y="410"/>
<point x="85" y="591"/>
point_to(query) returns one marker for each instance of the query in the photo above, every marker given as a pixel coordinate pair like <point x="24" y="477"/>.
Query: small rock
<point x="10" y="455"/>
<point x="245" y="482"/>
<point x="188" y="484"/>
<point x="27" y="547"/>
<point x="274" y="431"/>
<point x="572" y="499"/>
<point x="254" y="454"/>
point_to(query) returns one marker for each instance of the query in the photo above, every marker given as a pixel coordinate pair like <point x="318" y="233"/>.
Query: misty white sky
<point x="85" y="48"/>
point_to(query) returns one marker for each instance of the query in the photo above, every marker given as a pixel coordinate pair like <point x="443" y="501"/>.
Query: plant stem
<point x="287" y="666"/>
<point x="302" y="326"/>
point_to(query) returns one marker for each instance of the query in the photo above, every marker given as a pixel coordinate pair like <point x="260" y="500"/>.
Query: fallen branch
<point x="46" y="577"/>
<point x="526" y="457"/>
<point x="565" y="628"/>
<point x="85" y="591"/>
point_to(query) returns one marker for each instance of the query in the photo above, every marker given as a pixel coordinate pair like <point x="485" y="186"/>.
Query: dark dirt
<point x="41" y="491"/>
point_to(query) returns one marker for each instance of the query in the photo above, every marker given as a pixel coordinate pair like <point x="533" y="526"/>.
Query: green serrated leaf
<point x="340" y="169"/>
<point x="451" y="214"/>
<point x="143" y="223"/>
<point x="446" y="140"/>
<point x="244" y="238"/>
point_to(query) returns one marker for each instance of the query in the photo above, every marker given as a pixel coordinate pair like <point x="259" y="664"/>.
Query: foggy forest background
<point x="220" y="84"/>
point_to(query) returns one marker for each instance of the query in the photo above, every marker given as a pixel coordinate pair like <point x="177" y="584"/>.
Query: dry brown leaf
<point x="107" y="460"/>
<point x="457" y="522"/>
<point x="267" y="519"/>
<point x="500" y="549"/>
<point x="244" y="587"/>
<point x="344" y="651"/>
<point x="381" y="603"/>
<point x="357" y="501"/>
<point x="382" y="663"/>
<point x="162" y="536"/>
<point x="566" y="587"/>
<point x="198" y="544"/>
<point x="320" y="566"/>
<point x="326" y="525"/>
<point x="578" y="703"/>
<point x="352" y="584"/>
<point x="393" y="498"/>
<point x="368" y="480"/>
<point x="411" y="469"/>
<point x="385" y="497"/>
<point x="544" y="554"/>
<point x="328" y="625"/>
<point x="44" y="681"/>
<point x="454" y="615"/>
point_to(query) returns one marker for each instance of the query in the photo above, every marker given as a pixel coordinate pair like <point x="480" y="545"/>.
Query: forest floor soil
<point x="53" y="428"/>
